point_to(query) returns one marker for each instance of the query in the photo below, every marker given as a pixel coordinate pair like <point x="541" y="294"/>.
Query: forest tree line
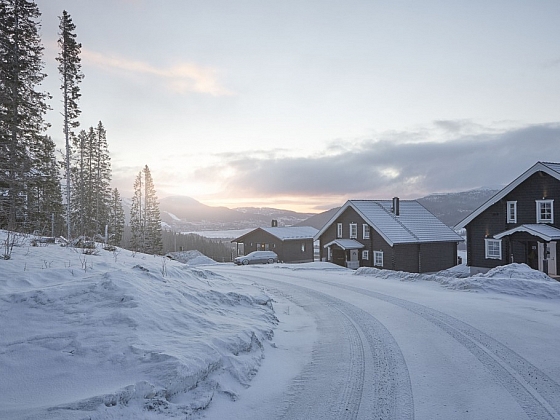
<point x="71" y="197"/>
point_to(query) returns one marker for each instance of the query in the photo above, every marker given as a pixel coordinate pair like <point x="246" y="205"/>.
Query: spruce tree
<point x="22" y="106"/>
<point x="145" y="221"/>
<point x="153" y="242"/>
<point x="70" y="74"/>
<point x="137" y="216"/>
<point x="44" y="198"/>
<point x="116" y="218"/>
<point x="102" y="178"/>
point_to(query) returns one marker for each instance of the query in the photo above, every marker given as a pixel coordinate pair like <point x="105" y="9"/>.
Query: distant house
<point x="291" y="244"/>
<point x="519" y="224"/>
<point x="390" y="234"/>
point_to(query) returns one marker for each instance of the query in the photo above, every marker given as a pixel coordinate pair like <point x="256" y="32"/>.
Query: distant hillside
<point x="185" y="214"/>
<point x="319" y="220"/>
<point x="451" y="208"/>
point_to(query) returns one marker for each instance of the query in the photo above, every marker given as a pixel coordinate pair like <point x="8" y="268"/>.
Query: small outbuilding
<point x="389" y="234"/>
<point x="291" y="244"/>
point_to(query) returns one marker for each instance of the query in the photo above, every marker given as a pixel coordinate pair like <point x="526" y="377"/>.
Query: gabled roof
<point x="552" y="169"/>
<point x="285" y="233"/>
<point x="415" y="224"/>
<point x="545" y="232"/>
<point x="345" y="244"/>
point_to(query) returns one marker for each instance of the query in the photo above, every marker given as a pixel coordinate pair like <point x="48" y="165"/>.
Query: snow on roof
<point x="292" y="232"/>
<point x="546" y="232"/>
<point x="346" y="244"/>
<point x="551" y="168"/>
<point x="285" y="233"/>
<point x="415" y="224"/>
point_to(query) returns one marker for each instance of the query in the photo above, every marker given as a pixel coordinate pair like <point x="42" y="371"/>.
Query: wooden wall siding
<point x="406" y="258"/>
<point x="287" y="251"/>
<point x="494" y="219"/>
<point x="437" y="256"/>
<point x="292" y="252"/>
<point x="377" y="243"/>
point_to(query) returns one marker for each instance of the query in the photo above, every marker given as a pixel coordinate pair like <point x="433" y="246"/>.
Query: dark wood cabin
<point x="389" y="234"/>
<point x="520" y="224"/>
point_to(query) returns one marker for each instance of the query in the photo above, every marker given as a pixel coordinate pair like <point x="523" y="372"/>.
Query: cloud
<point x="391" y="166"/>
<point x="182" y="78"/>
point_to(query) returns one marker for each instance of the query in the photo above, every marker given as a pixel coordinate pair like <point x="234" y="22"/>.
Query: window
<point x="366" y="231"/>
<point x="353" y="230"/>
<point x="512" y="211"/>
<point x="493" y="249"/>
<point x="303" y="247"/>
<point x="378" y="258"/>
<point x="339" y="230"/>
<point x="545" y="211"/>
<point x="365" y="255"/>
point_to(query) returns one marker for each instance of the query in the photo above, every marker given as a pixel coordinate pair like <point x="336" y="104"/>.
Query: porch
<point x="344" y="252"/>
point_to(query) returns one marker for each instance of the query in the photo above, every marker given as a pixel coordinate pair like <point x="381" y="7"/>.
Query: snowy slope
<point x="122" y="334"/>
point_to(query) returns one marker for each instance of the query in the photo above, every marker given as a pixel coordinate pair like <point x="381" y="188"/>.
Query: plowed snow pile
<point x="121" y="335"/>
<point x="512" y="279"/>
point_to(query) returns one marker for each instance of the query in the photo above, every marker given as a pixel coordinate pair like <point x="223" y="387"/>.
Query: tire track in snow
<point x="385" y="394"/>
<point x="535" y="392"/>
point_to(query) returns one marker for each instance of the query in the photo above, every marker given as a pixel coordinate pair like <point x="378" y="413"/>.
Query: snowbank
<point x="512" y="279"/>
<point x="122" y="335"/>
<point x="192" y="257"/>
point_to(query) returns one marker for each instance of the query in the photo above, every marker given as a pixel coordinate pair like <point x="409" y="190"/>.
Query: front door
<point x="550" y="258"/>
<point x="338" y="256"/>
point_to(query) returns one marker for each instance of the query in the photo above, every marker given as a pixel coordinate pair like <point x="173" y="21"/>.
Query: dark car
<point x="257" y="257"/>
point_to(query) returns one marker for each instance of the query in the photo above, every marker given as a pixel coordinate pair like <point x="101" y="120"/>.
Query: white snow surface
<point x="122" y="335"/>
<point x="191" y="257"/>
<point x="132" y="336"/>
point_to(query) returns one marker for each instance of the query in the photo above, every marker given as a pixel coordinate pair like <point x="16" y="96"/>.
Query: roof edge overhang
<point x="342" y="209"/>
<point x="532" y="230"/>
<point x="357" y="245"/>
<point x="537" y="167"/>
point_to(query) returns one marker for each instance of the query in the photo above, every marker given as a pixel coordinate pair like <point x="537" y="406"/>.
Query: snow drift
<point x="512" y="279"/>
<point x="122" y="335"/>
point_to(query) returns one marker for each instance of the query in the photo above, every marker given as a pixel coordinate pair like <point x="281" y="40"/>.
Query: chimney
<point x="396" y="206"/>
<point x="274" y="223"/>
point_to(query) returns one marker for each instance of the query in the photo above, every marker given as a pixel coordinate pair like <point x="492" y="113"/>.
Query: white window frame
<point x="365" y="231"/>
<point x="339" y="230"/>
<point x="493" y="249"/>
<point x="540" y="205"/>
<point x="378" y="258"/>
<point x="353" y="231"/>
<point x="512" y="212"/>
<point x="365" y="254"/>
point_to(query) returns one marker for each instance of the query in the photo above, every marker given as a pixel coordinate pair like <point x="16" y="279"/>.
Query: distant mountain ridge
<point x="185" y="214"/>
<point x="450" y="208"/>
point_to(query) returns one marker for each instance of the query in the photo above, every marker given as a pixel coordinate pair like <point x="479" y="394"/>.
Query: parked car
<point x="257" y="257"/>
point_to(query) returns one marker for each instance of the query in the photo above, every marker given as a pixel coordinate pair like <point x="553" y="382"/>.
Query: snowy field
<point x="130" y="336"/>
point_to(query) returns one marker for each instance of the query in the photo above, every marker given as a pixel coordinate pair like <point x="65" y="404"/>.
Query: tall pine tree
<point x="116" y="218"/>
<point x="145" y="220"/>
<point x="69" y="67"/>
<point x="90" y="179"/>
<point x="22" y="109"/>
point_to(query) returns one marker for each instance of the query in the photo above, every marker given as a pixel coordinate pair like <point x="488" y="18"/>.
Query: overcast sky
<point x="304" y="104"/>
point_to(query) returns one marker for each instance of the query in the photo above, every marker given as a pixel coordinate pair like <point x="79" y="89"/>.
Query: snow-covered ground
<point x="125" y="335"/>
<point x="119" y="334"/>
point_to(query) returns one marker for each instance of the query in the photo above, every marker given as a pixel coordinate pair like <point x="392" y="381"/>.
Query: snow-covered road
<point x="386" y="349"/>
